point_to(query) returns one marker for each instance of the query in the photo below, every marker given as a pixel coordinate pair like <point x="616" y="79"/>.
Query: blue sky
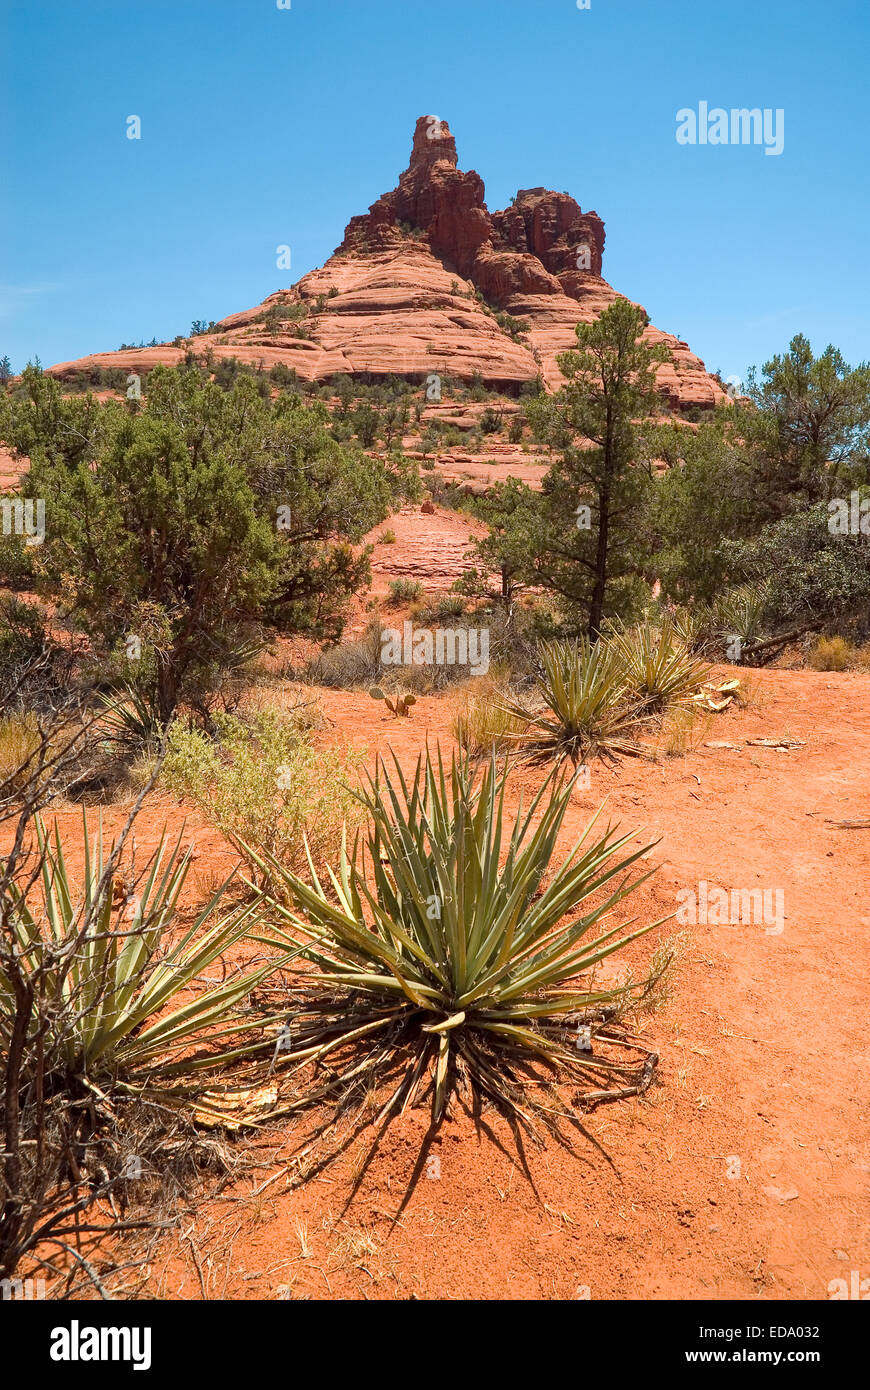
<point x="263" y="127"/>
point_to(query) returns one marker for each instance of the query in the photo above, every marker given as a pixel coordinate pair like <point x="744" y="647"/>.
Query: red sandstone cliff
<point x="402" y="294"/>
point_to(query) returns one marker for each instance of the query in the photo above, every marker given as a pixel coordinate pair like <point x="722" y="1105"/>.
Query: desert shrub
<point x="430" y="440"/>
<point x="348" y="665"/>
<point x="23" y="642"/>
<point x="404" y="591"/>
<point x="809" y="573"/>
<point x="515" y="432"/>
<point x="387" y="537"/>
<point x="533" y="388"/>
<point x="453" y="435"/>
<point x="491" y="421"/>
<point x="441" y="956"/>
<point x="514" y="636"/>
<point x="512" y="326"/>
<point x="477" y="388"/>
<point x="263" y="780"/>
<point x="17" y="557"/>
<point x="447" y="606"/>
<point x="227" y="370"/>
<point x="341" y="432"/>
<point x="282" y="375"/>
<point x="277" y="315"/>
<point x="832" y="654"/>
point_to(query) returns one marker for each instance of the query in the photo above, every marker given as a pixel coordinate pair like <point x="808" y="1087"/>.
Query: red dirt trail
<point x="742" y="1174"/>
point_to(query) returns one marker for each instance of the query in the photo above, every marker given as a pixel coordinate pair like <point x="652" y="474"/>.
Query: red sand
<point x="742" y="1174"/>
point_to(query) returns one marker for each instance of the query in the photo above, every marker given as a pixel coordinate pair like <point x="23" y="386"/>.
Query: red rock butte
<point x="412" y="288"/>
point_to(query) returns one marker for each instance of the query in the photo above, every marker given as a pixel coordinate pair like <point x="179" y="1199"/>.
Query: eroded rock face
<point x="432" y="196"/>
<point x="414" y="287"/>
<point x="552" y="227"/>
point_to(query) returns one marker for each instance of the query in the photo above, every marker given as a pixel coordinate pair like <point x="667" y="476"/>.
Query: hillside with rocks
<point x="429" y="281"/>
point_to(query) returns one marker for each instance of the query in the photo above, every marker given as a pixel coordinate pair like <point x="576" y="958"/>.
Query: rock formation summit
<point x="428" y="280"/>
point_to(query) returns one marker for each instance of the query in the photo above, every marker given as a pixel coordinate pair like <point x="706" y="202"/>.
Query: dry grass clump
<point x="684" y="728"/>
<point x="837" y="654"/>
<point x="483" y="723"/>
<point x="349" y="665"/>
<point x="19" y="743"/>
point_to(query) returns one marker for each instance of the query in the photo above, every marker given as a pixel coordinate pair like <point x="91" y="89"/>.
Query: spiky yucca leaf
<point x="132" y="718"/>
<point x="691" y="627"/>
<point x="656" y="665"/>
<point x="582" y="707"/>
<point x="102" y="955"/>
<point x="434" y="963"/>
<point x="741" y="613"/>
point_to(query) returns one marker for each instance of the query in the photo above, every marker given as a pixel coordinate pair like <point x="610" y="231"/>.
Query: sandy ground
<point x="743" y="1174"/>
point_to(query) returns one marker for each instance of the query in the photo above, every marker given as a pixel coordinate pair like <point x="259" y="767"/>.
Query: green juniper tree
<point x="512" y="512"/>
<point x="195" y="513"/>
<point x="806" y="423"/>
<point x="798" y="437"/>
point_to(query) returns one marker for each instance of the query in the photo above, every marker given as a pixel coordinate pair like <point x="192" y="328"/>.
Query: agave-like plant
<point x="656" y="664"/>
<point x="691" y="627"/>
<point x="444" y="956"/>
<point x="582" y="708"/>
<point x="132" y="718"/>
<point x="740" y="614"/>
<point x="121" y="1000"/>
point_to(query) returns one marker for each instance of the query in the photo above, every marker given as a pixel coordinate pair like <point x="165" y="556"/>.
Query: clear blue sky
<point x="263" y="126"/>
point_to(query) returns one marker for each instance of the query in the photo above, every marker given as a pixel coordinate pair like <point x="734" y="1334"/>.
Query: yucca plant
<point x="657" y="667"/>
<point x="445" y="956"/>
<point x="119" y="996"/>
<point x="582" y="707"/>
<point x="691" y="627"/>
<point x="740" y="614"/>
<point x="132" y="718"/>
